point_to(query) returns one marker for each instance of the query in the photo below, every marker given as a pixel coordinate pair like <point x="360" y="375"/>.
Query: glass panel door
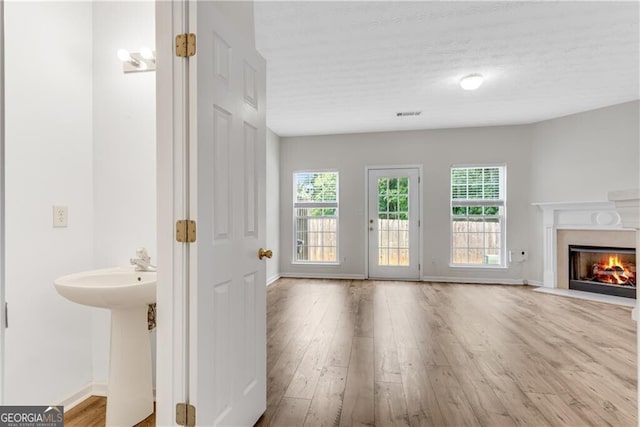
<point x="393" y="223"/>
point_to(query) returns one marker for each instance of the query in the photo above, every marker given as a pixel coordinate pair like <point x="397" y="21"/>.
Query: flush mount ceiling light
<point x="135" y="62"/>
<point x="471" y="82"/>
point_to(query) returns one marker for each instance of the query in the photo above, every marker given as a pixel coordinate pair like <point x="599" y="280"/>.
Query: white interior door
<point x="227" y="371"/>
<point x="394" y="223"/>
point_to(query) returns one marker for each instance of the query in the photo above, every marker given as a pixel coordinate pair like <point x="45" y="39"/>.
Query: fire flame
<point x="615" y="272"/>
<point x="613" y="261"/>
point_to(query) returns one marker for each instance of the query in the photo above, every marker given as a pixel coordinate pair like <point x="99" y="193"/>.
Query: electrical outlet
<point x="519" y="255"/>
<point x="60" y="215"/>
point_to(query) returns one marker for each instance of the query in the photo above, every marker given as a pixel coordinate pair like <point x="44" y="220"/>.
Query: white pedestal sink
<point x="126" y="293"/>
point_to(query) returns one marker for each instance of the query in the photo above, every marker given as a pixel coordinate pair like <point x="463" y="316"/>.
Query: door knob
<point x="265" y="253"/>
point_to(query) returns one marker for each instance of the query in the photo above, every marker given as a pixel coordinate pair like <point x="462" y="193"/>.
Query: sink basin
<point x="119" y="287"/>
<point x="126" y="293"/>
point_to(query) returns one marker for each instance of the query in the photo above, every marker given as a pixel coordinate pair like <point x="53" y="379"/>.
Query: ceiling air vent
<point x="408" y="113"/>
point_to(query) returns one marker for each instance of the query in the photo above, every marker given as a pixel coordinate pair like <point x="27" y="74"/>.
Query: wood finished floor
<point x="92" y="413"/>
<point x="352" y="353"/>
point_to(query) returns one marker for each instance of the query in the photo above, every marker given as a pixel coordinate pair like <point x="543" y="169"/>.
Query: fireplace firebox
<point x="603" y="270"/>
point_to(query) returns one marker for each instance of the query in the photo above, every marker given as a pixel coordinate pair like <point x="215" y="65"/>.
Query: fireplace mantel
<point x="627" y="203"/>
<point x="581" y="215"/>
<point x="572" y="216"/>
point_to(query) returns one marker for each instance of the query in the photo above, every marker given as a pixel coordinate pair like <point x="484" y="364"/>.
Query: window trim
<point x="321" y="205"/>
<point x="504" y="264"/>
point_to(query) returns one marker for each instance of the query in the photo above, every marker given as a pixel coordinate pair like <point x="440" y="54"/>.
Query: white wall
<point x="49" y="158"/>
<point x="273" y="204"/>
<point x="597" y="149"/>
<point x="574" y="158"/>
<point x="436" y="151"/>
<point x="124" y="162"/>
<point x="581" y="158"/>
<point x="79" y="133"/>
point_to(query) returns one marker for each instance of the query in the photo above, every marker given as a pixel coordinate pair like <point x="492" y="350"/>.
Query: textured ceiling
<point x="343" y="67"/>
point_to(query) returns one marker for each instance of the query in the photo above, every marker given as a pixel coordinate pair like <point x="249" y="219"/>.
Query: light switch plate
<point x="60" y="215"/>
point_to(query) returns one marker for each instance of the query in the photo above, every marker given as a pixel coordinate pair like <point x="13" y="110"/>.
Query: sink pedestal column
<point x="130" y="388"/>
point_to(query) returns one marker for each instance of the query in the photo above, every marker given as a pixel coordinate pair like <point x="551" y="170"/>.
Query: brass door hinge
<point x="185" y="415"/>
<point x="185" y="231"/>
<point x="185" y="45"/>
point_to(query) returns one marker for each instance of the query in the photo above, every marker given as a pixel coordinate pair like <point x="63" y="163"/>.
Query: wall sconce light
<point x="136" y="62"/>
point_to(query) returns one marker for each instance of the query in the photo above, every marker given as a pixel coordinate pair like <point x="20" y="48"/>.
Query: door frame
<point x="172" y="150"/>
<point x="420" y="215"/>
<point x="3" y="324"/>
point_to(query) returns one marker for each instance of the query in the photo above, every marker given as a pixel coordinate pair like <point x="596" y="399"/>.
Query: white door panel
<point x="393" y="223"/>
<point x="228" y="298"/>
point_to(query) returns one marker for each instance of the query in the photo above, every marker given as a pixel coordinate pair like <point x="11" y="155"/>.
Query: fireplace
<point x="603" y="270"/>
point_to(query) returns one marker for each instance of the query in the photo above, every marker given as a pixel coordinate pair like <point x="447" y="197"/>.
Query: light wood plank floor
<point x="349" y="353"/>
<point x="92" y="413"/>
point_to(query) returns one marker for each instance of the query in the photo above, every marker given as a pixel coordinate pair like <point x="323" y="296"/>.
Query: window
<point x="478" y="216"/>
<point x="315" y="216"/>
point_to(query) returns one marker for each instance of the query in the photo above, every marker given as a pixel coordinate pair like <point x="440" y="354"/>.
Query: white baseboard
<point x="91" y="389"/>
<point x="77" y="397"/>
<point x="589" y="296"/>
<point x="322" y="276"/>
<point x="99" y="389"/>
<point x="272" y="279"/>
<point x="474" y="280"/>
<point x="446" y="279"/>
<point x="534" y="282"/>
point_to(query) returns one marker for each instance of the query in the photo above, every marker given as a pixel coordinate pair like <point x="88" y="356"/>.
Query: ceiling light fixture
<point x="471" y="82"/>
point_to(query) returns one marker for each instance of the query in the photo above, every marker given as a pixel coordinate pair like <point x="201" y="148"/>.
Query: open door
<point x="211" y="135"/>
<point x="227" y="361"/>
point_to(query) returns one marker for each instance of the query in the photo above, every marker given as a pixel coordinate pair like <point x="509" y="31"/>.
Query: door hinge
<point x="185" y="231"/>
<point x="185" y="415"/>
<point x="185" y="45"/>
<point x="418" y="223"/>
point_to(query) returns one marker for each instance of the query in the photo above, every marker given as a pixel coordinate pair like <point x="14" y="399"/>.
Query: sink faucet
<point x="142" y="261"/>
